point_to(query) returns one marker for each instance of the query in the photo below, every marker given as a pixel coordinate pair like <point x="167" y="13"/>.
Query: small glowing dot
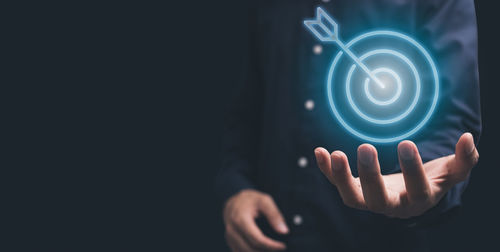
<point x="297" y="220"/>
<point x="309" y="104"/>
<point x="317" y="49"/>
<point x="302" y="162"/>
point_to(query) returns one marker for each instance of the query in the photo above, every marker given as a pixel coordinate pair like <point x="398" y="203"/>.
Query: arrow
<point x="326" y="30"/>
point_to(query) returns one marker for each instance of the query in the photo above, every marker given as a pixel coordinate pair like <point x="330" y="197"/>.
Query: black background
<point x="118" y="122"/>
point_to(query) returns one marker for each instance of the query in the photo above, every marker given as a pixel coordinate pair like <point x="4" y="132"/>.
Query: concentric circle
<point x="418" y="125"/>
<point x="404" y="113"/>
<point x="398" y="87"/>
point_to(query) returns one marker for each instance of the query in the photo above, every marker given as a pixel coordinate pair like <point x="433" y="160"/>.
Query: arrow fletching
<point x="323" y="27"/>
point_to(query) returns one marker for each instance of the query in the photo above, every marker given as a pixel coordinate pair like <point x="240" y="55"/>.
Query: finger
<point x="273" y="214"/>
<point x="236" y="242"/>
<point x="336" y="168"/>
<point x="254" y="236"/>
<point x="466" y="156"/>
<point x="416" y="182"/>
<point x="341" y="175"/>
<point x="372" y="182"/>
<point x="324" y="163"/>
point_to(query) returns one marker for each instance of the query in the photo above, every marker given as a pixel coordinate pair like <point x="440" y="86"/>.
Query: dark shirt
<point x="272" y="129"/>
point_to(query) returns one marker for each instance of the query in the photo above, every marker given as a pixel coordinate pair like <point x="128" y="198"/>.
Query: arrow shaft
<point x="330" y="34"/>
<point x="359" y="63"/>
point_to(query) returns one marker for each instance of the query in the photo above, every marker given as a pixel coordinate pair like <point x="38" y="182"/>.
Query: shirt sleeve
<point x="451" y="32"/>
<point x="241" y="131"/>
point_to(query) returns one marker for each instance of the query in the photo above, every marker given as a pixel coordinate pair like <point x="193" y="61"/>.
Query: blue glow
<point x="402" y="115"/>
<point x="331" y="35"/>
<point x="396" y="137"/>
<point x="398" y="87"/>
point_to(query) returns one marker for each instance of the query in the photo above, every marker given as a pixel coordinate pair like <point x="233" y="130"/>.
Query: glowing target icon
<point x="383" y="86"/>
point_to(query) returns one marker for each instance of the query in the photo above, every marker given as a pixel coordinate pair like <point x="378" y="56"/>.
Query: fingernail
<point x="319" y="157"/>
<point x="283" y="228"/>
<point x="365" y="156"/>
<point x="406" y="152"/>
<point x="470" y="148"/>
<point x="335" y="166"/>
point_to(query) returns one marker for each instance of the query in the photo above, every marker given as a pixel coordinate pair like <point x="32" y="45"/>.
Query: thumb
<point x="273" y="215"/>
<point x="466" y="155"/>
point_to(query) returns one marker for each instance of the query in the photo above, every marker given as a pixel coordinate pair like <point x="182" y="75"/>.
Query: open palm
<point x="403" y="195"/>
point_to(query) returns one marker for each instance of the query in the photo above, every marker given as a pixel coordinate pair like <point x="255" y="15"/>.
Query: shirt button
<point x="317" y="49"/>
<point x="297" y="220"/>
<point x="309" y="104"/>
<point x="302" y="162"/>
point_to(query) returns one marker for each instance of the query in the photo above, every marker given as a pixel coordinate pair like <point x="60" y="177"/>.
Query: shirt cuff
<point x="229" y="184"/>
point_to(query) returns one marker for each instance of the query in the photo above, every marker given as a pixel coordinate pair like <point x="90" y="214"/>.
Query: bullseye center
<point x="391" y="90"/>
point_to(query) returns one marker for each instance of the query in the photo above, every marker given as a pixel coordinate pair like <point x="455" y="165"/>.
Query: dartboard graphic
<point x="382" y="86"/>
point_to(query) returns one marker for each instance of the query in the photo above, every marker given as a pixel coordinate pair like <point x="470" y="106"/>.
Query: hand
<point x="410" y="193"/>
<point x="242" y="233"/>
